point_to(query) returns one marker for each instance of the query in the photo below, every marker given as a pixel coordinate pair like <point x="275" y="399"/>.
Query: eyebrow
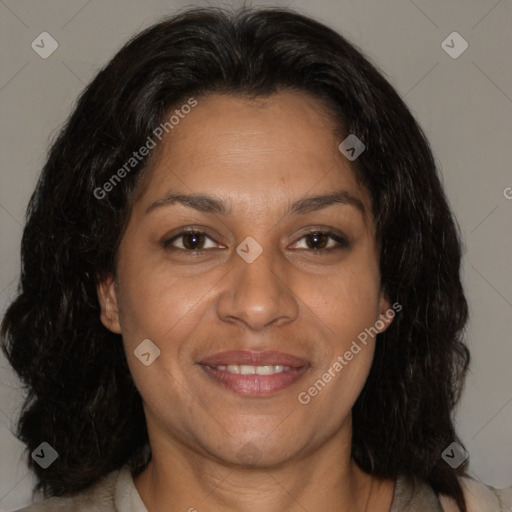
<point x="208" y="204"/>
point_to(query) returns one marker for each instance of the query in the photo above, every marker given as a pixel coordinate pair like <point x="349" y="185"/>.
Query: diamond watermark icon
<point x="454" y="455"/>
<point x="147" y="352"/>
<point x="352" y="147"/>
<point x="44" y="455"/>
<point x="249" y="249"/>
<point x="44" y="45"/>
<point x="454" y="45"/>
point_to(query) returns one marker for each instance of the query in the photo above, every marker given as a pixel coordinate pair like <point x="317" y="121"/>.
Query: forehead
<point x="283" y="146"/>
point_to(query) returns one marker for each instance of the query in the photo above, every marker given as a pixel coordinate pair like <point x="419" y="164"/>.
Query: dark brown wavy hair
<point x="81" y="398"/>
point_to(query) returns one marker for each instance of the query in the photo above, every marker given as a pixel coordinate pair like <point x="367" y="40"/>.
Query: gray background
<point x="463" y="104"/>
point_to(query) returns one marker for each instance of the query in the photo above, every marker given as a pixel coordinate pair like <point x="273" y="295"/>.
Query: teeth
<point x="244" y="369"/>
<point x="268" y="370"/>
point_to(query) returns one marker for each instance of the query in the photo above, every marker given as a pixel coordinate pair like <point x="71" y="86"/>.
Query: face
<point x="256" y="277"/>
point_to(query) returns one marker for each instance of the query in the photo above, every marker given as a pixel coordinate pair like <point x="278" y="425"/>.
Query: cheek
<point x="348" y="302"/>
<point x="157" y="304"/>
<point x="348" y="306"/>
<point x="161" y="308"/>
<point x="156" y="301"/>
<point x="350" y="312"/>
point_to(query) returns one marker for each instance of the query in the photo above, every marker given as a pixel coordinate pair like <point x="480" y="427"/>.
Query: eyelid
<point x="168" y="240"/>
<point x="334" y="234"/>
<point x="340" y="238"/>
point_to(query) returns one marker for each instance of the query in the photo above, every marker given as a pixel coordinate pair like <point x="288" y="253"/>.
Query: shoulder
<point x="413" y="495"/>
<point x="480" y="497"/>
<point x="98" y="498"/>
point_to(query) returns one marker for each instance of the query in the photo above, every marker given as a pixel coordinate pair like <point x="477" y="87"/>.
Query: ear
<point x="107" y="296"/>
<point x="386" y="313"/>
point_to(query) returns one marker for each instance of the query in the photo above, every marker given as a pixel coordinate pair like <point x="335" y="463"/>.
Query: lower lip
<point x="255" y="385"/>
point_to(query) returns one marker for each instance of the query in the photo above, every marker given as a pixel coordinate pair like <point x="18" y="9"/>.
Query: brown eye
<point x="317" y="240"/>
<point x="191" y="241"/>
<point x="323" y="241"/>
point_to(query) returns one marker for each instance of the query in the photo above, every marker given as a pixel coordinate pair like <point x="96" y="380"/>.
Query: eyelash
<point x="342" y="242"/>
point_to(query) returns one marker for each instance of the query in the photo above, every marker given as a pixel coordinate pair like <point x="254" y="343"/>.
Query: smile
<point x="253" y="373"/>
<point x="244" y="369"/>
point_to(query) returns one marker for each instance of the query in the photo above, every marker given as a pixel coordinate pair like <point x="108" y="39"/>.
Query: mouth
<point x="252" y="373"/>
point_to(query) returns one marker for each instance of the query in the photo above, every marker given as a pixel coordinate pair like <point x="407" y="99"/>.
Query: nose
<point x="258" y="294"/>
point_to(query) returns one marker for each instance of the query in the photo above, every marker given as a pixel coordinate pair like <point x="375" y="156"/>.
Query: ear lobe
<point x="107" y="297"/>
<point x="386" y="314"/>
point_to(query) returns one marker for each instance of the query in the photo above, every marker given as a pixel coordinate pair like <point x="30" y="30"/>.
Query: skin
<point x="259" y="157"/>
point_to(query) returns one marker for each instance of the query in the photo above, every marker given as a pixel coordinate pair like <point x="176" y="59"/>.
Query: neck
<point x="178" y="479"/>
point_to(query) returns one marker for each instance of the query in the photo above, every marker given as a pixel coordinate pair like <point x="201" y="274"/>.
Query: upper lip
<point x="253" y="358"/>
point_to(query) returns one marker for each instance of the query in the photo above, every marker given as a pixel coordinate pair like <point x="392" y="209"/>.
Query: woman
<point x="241" y="277"/>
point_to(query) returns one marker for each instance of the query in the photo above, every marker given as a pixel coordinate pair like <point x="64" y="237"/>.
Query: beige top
<point x="117" y="493"/>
